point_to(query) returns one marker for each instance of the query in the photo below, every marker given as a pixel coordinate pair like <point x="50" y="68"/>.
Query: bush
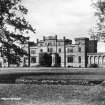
<point x="93" y="66"/>
<point x="70" y="66"/>
<point x="45" y="59"/>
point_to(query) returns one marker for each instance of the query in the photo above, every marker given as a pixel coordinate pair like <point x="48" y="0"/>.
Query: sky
<point x="69" y="18"/>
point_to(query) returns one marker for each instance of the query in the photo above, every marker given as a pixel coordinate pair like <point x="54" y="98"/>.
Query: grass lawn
<point x="32" y="94"/>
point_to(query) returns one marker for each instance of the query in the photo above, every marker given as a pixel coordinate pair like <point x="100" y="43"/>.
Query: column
<point x="53" y="59"/>
<point x="103" y="59"/>
<point x="100" y="60"/>
<point x="92" y="60"/>
<point x="89" y="60"/>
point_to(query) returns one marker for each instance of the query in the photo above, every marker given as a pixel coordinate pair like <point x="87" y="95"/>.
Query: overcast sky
<point x="70" y="18"/>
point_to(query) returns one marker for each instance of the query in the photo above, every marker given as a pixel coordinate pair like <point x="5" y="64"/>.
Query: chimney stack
<point x="43" y="38"/>
<point x="37" y="41"/>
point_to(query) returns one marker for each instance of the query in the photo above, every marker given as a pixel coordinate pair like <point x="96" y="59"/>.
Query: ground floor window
<point x="70" y="59"/>
<point x="79" y="59"/>
<point x="5" y="60"/>
<point x="25" y="59"/>
<point x="33" y="60"/>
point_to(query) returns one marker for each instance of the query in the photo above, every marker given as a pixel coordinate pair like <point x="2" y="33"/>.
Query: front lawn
<point x="32" y="94"/>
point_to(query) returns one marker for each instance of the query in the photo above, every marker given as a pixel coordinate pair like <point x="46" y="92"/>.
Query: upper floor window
<point x="54" y="43"/>
<point x="49" y="44"/>
<point x="51" y="50"/>
<point x="59" y="43"/>
<point x="33" y="51"/>
<point x="70" y="59"/>
<point x="69" y="50"/>
<point x="59" y="50"/>
<point x="45" y="44"/>
<point x="41" y="44"/>
<point x="79" y="49"/>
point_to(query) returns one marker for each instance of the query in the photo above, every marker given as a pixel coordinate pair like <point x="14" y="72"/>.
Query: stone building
<point x="76" y="53"/>
<point x="82" y="53"/>
<point x="96" y="58"/>
<point x="71" y="55"/>
<point x="50" y="45"/>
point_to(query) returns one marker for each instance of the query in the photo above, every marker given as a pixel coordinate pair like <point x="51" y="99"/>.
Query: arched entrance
<point x="96" y="60"/>
<point x="92" y="60"/>
<point x="104" y="60"/>
<point x="100" y="60"/>
<point x="56" y="60"/>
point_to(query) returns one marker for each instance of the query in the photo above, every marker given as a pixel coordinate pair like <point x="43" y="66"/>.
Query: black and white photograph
<point x="52" y="52"/>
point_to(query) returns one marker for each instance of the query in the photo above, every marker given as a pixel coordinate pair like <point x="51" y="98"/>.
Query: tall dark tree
<point x="13" y="26"/>
<point x="99" y="6"/>
<point x="45" y="59"/>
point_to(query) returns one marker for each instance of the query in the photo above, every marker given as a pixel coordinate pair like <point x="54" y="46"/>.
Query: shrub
<point x="45" y="59"/>
<point x="93" y="66"/>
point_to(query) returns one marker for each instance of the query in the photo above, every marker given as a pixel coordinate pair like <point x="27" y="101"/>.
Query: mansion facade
<point x="83" y="53"/>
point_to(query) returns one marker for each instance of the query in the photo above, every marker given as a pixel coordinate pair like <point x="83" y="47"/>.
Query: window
<point x="33" y="51"/>
<point x="41" y="44"/>
<point x="5" y="60"/>
<point x="70" y="59"/>
<point x="79" y="59"/>
<point x="51" y="50"/>
<point x="79" y="49"/>
<point x="41" y="50"/>
<point x="49" y="44"/>
<point x="69" y="50"/>
<point x="54" y="43"/>
<point x="59" y="50"/>
<point x="33" y="60"/>
<point x="59" y="43"/>
<point x="45" y="44"/>
<point x="48" y="50"/>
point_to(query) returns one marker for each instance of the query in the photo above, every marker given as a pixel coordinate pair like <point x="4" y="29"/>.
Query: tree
<point x="99" y="6"/>
<point x="13" y="26"/>
<point x="93" y="34"/>
<point x="45" y="59"/>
